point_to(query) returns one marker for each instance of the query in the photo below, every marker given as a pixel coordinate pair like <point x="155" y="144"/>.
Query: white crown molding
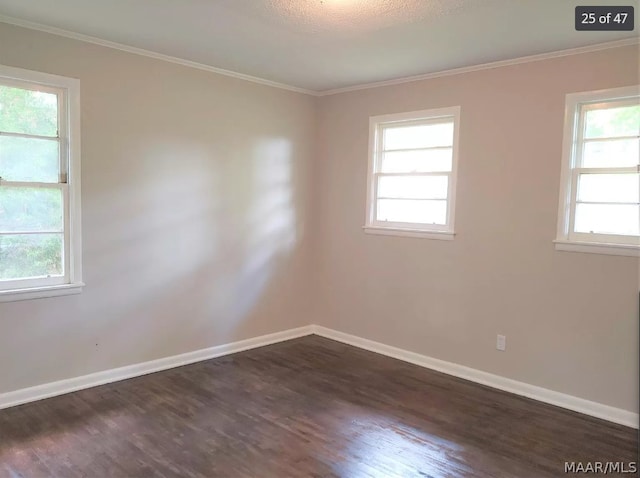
<point x="261" y="81"/>
<point x="485" y="66"/>
<point x="52" y="389"/>
<point x="151" y="54"/>
<point x="587" y="407"/>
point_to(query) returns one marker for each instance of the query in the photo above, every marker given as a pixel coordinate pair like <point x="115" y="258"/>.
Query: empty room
<point x="319" y="238"/>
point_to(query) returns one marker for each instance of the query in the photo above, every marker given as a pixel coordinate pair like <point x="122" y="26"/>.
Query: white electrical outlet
<point x="501" y="343"/>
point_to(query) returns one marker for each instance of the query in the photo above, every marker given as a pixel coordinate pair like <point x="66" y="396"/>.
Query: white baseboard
<point x="61" y="387"/>
<point x="570" y="402"/>
<point x="594" y="409"/>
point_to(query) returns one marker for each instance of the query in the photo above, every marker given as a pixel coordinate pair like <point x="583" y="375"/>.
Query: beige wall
<point x="195" y="197"/>
<point x="571" y="319"/>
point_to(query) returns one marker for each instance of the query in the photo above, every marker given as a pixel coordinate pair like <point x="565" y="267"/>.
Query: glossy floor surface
<point x="309" y="407"/>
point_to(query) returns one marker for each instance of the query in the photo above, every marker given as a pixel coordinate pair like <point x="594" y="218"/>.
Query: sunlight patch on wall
<point x="269" y="229"/>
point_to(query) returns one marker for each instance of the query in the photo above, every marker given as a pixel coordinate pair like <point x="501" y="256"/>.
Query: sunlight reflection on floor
<point x="383" y="447"/>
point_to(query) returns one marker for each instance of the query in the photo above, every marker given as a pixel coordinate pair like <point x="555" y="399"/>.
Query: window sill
<point x="421" y="233"/>
<point x="40" y="292"/>
<point x="632" y="250"/>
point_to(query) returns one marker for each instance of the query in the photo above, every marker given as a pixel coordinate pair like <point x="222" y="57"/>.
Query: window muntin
<point x="600" y="202"/>
<point x="412" y="171"/>
<point x="39" y="182"/>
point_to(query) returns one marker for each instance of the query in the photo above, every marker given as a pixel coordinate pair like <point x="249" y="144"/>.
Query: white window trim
<point x="395" y="231"/>
<point x="425" y="231"/>
<point x="70" y="105"/>
<point x="576" y="242"/>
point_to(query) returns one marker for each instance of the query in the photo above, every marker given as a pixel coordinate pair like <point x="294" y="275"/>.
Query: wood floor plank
<point x="309" y="407"/>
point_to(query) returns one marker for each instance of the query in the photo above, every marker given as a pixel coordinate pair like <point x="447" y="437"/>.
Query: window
<point x="412" y="173"/>
<point x="40" y="250"/>
<point x="599" y="200"/>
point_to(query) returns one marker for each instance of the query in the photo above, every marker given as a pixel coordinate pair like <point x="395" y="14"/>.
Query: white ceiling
<point x="325" y="44"/>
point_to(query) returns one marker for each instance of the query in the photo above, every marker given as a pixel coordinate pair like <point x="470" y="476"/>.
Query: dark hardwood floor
<point x="309" y="407"/>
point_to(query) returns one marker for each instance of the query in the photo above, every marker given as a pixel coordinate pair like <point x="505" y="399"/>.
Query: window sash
<point x="410" y="225"/>
<point x="576" y="172"/>
<point x="42" y="281"/>
<point x="587" y="106"/>
<point x="28" y="282"/>
<point x="572" y="167"/>
<point x="377" y="151"/>
<point x="381" y="127"/>
<point x="378" y="155"/>
<point x="580" y="126"/>
<point x="67" y="91"/>
<point x="61" y="138"/>
<point x="62" y="134"/>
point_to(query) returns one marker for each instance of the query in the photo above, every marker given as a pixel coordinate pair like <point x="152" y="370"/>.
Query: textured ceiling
<point x="325" y="44"/>
<point x="317" y="16"/>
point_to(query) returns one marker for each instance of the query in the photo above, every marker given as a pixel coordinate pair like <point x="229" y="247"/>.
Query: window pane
<point x="419" y="136"/>
<point x="29" y="159"/>
<point x="610" y="122"/>
<point x="30" y="209"/>
<point x="413" y="211"/>
<point x="426" y="161"/>
<point x="419" y="187"/>
<point x="34" y="255"/>
<point x="609" y="187"/>
<point x="28" y="111"/>
<point x="608" y="219"/>
<point x="611" y="154"/>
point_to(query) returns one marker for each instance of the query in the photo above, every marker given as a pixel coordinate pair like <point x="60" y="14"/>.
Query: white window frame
<point x="428" y="231"/>
<point x="68" y="91"/>
<point x="566" y="239"/>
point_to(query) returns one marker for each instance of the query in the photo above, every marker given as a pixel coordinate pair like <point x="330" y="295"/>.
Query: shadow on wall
<point x="180" y="247"/>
